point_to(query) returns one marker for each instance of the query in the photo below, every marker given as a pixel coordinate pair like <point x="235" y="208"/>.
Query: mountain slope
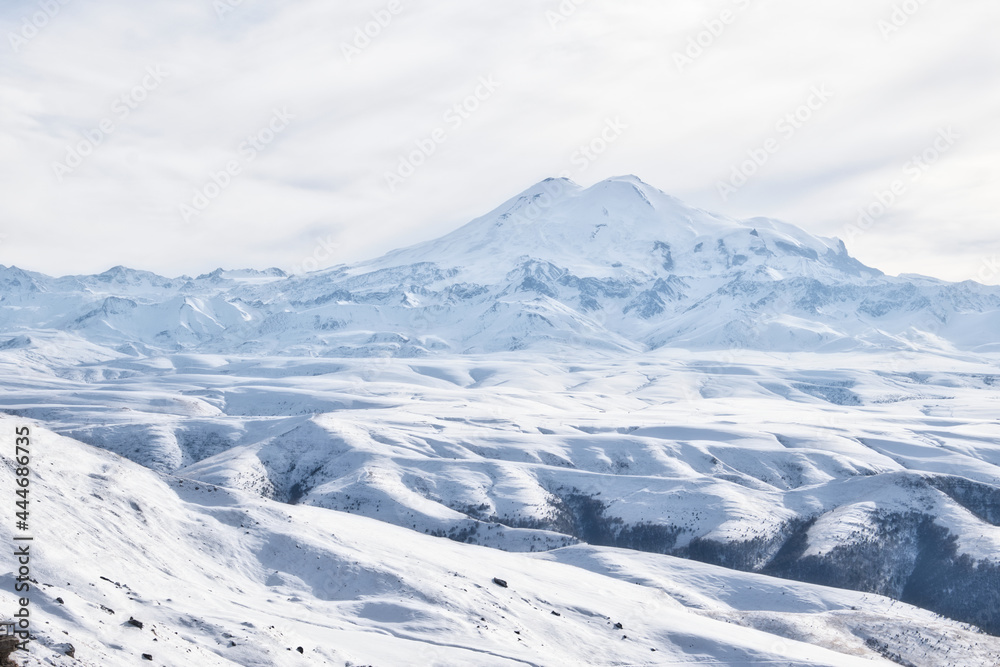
<point x="870" y="471"/>
<point x="215" y="577"/>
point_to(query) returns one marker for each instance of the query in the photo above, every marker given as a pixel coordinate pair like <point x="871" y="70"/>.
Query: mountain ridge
<point x="619" y="265"/>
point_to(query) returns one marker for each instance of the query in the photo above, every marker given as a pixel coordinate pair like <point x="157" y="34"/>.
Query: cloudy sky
<point x="185" y="135"/>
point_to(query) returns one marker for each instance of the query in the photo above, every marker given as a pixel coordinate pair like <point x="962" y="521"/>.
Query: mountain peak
<point x="121" y="273"/>
<point x="621" y="224"/>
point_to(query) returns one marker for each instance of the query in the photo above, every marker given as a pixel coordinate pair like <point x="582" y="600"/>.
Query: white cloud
<point x="325" y="173"/>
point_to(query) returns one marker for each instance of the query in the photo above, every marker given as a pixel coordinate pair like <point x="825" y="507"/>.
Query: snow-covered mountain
<point x="618" y="266"/>
<point x="653" y="415"/>
<point x="128" y="562"/>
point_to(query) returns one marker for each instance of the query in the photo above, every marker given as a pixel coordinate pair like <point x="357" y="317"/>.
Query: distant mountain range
<point x="617" y="266"/>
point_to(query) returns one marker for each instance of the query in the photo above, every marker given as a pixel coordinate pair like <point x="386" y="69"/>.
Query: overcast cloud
<point x="185" y="135"/>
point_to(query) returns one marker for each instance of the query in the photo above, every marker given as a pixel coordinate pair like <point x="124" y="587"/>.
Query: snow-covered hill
<point x="212" y="576"/>
<point x="869" y="471"/>
<point x="617" y="266"/>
